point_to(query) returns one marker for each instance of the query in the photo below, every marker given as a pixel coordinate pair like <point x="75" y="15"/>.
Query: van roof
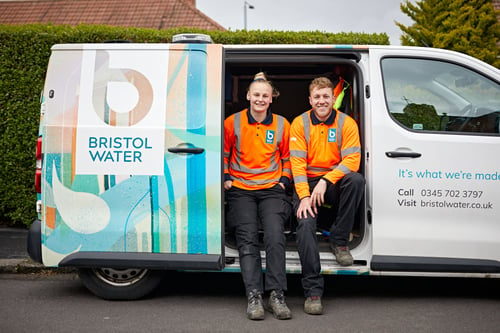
<point x="150" y="46"/>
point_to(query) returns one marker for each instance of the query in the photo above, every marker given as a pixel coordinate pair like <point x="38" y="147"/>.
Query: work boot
<point x="342" y="255"/>
<point x="255" y="309"/>
<point x="313" y="305"/>
<point x="277" y="305"/>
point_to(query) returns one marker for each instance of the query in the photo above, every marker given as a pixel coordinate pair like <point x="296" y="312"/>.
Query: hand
<point x="305" y="207"/>
<point x="318" y="194"/>
<point x="282" y="185"/>
<point x="228" y="184"/>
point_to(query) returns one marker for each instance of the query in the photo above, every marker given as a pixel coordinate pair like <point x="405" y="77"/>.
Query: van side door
<point x="132" y="156"/>
<point x="434" y="164"/>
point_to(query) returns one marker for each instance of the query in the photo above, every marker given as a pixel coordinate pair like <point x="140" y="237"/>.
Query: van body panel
<point x="434" y="194"/>
<point x="156" y="261"/>
<point x="132" y="150"/>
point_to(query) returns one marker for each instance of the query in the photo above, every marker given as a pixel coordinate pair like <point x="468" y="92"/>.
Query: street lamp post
<point x="246" y="5"/>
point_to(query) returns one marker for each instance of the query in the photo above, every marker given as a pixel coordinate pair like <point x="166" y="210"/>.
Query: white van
<point x="130" y="158"/>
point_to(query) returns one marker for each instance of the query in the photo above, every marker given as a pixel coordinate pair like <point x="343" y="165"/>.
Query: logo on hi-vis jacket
<point x="332" y="135"/>
<point x="270" y="136"/>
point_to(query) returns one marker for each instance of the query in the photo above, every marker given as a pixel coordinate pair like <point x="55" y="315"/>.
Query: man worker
<point x="325" y="154"/>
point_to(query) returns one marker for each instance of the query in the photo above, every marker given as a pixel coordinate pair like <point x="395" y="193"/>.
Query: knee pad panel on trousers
<point x="246" y="250"/>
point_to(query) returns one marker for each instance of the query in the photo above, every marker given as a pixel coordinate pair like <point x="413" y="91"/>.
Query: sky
<point x="366" y="16"/>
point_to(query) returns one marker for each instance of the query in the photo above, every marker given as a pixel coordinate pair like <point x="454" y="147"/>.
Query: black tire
<point x="120" y="284"/>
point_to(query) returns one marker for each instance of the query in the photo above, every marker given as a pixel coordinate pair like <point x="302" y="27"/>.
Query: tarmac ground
<point x="14" y="256"/>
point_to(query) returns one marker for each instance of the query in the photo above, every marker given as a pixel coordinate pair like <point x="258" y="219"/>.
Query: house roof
<point x="156" y="14"/>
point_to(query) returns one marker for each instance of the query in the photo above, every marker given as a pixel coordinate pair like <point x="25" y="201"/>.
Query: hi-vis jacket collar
<point x="267" y="121"/>
<point x="328" y="121"/>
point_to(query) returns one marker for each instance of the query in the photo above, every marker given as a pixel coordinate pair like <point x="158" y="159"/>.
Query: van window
<point x="431" y="95"/>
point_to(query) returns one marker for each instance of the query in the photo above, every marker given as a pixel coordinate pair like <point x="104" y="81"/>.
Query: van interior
<point x="291" y="74"/>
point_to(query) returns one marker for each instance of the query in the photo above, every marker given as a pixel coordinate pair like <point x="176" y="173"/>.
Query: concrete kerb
<point x="28" y="266"/>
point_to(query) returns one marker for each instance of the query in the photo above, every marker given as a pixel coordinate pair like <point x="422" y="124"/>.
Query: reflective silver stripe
<point x="236" y="164"/>
<point x="273" y="165"/>
<point x="300" y="179"/>
<point x="281" y="125"/>
<point x="280" y="128"/>
<point x="237" y="145"/>
<point x="237" y="130"/>
<point x="351" y="150"/>
<point x="286" y="170"/>
<point x="307" y="131"/>
<point x="255" y="181"/>
<point x="344" y="169"/>
<point x="298" y="153"/>
<point x="340" y="126"/>
<point x="226" y="164"/>
<point x="316" y="169"/>
<point x="238" y="167"/>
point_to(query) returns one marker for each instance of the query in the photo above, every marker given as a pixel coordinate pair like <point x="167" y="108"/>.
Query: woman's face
<point x="260" y="95"/>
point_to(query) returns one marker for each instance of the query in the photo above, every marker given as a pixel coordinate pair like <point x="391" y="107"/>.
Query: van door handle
<point x="177" y="150"/>
<point x="394" y="154"/>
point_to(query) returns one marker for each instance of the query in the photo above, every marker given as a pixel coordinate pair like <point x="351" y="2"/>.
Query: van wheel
<point x="120" y="284"/>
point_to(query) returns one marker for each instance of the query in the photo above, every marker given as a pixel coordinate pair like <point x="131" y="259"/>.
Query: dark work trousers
<point x="344" y="196"/>
<point x="247" y="211"/>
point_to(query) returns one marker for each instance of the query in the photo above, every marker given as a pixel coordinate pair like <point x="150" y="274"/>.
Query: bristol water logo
<point x="121" y="96"/>
<point x="121" y="112"/>
<point x="270" y="136"/>
<point x="332" y="135"/>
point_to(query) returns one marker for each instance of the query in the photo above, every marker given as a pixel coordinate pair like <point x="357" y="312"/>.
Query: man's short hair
<point x="320" y="83"/>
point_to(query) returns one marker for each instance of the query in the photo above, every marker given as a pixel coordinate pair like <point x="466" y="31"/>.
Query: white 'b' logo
<point x="269" y="136"/>
<point x="332" y="135"/>
<point x="121" y="96"/>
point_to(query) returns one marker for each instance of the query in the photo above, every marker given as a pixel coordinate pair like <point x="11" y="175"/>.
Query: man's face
<point x="321" y="102"/>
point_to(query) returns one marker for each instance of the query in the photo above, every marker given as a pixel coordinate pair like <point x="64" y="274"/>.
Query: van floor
<point x="291" y="242"/>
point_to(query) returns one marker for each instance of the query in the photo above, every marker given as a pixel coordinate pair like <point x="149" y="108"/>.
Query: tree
<point x="467" y="26"/>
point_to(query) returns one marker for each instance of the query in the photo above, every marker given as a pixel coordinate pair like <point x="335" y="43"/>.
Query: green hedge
<point x="24" y="54"/>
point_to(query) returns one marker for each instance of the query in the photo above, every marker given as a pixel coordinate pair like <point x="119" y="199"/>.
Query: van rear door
<point x="433" y="164"/>
<point x="132" y="156"/>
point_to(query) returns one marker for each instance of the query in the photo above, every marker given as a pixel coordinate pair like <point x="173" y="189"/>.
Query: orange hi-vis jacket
<point x="256" y="155"/>
<point x="329" y="149"/>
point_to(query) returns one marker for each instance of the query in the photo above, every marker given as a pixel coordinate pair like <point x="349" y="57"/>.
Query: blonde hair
<point x="261" y="77"/>
<point x="320" y="83"/>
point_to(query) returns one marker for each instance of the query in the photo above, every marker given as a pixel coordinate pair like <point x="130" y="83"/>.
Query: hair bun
<point x="260" y="77"/>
